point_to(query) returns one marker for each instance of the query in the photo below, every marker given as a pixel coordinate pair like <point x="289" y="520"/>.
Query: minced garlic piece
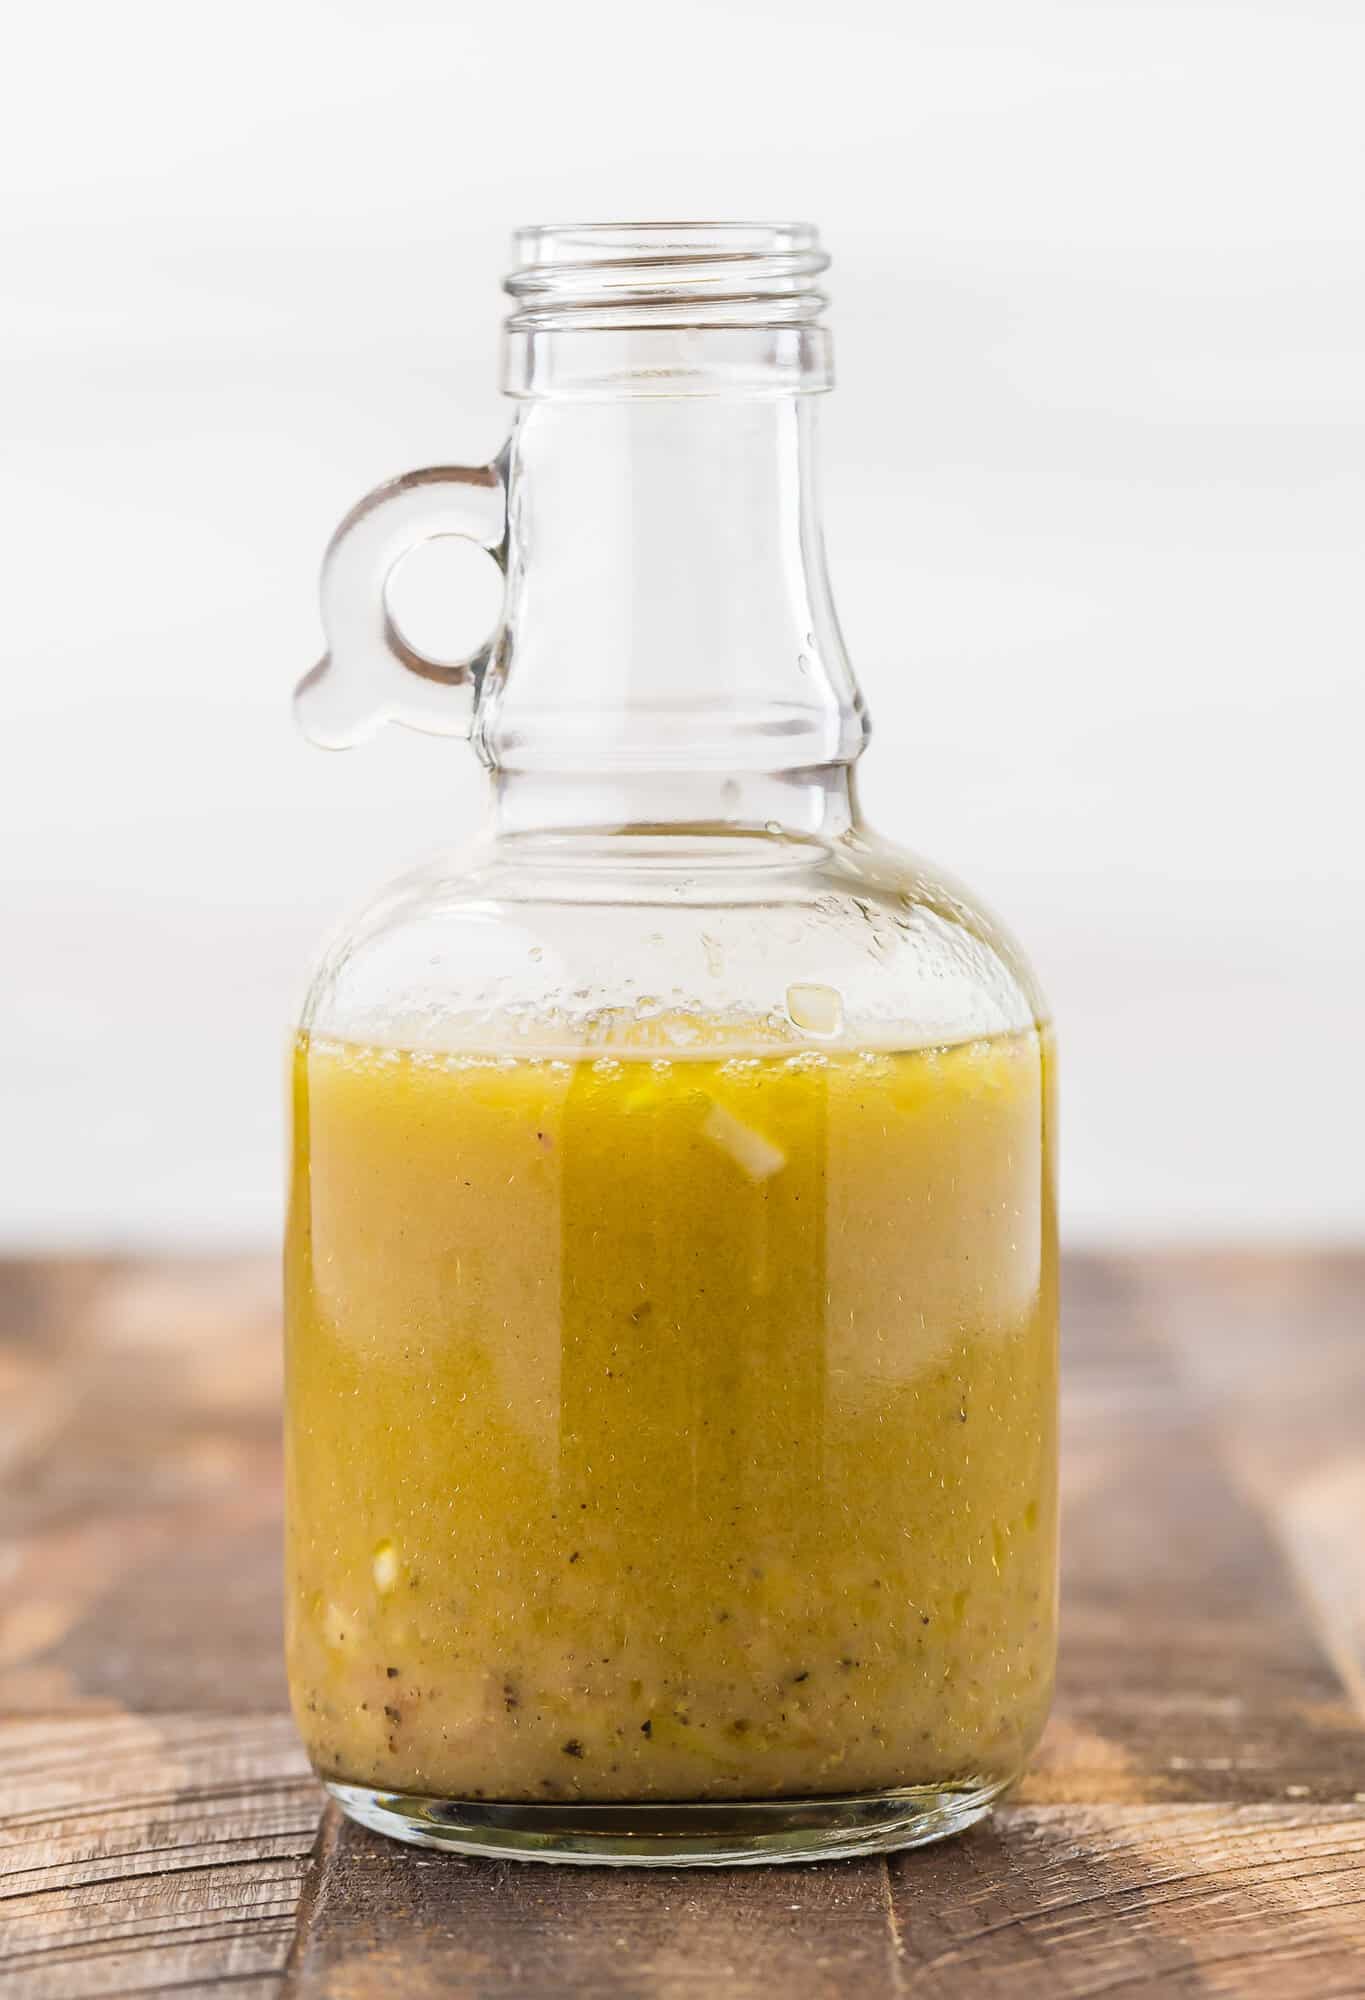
<point x="758" y="1156"/>
<point x="817" y="1009"/>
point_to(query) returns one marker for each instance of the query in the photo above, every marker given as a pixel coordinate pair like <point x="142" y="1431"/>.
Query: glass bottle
<point x="671" y="1269"/>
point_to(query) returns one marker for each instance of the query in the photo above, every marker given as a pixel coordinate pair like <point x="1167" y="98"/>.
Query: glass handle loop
<point x="369" y="674"/>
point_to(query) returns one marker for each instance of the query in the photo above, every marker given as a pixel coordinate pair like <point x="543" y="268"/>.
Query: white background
<point x="1095" y="512"/>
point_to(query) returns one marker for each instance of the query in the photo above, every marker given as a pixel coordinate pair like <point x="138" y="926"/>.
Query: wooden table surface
<point x="1194" y="1824"/>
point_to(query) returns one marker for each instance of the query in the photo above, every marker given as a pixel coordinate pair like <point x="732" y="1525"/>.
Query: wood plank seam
<point x="314" y="1885"/>
<point x="893" y="1934"/>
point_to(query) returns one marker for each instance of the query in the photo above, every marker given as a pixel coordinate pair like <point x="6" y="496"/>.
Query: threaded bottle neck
<point x="666" y="309"/>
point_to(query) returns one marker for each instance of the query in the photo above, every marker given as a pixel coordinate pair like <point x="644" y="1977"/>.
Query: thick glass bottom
<point x="702" y="1835"/>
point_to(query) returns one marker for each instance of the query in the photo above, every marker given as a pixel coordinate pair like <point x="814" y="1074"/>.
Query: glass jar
<point x="671" y="1271"/>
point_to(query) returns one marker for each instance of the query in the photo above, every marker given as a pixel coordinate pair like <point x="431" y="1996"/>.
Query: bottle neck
<point x="671" y="653"/>
<point x="817" y="804"/>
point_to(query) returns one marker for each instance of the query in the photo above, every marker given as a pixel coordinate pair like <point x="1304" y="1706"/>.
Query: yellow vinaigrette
<point x="671" y="1429"/>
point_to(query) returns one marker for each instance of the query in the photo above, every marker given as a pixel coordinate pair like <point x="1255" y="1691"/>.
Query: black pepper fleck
<point x="573" y="1748"/>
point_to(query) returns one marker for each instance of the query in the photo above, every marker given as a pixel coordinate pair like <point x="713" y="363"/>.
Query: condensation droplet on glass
<point x="818" y="1010"/>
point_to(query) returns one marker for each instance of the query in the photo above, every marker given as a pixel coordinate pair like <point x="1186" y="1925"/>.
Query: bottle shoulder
<point x="661" y="943"/>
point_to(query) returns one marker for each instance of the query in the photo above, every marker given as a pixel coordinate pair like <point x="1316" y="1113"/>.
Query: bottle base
<point x="699" y="1835"/>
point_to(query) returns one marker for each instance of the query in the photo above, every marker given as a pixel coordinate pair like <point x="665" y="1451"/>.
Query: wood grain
<point x="1042" y="1901"/>
<point x="1266" y="1902"/>
<point x="1194" y="1823"/>
<point x="1189" y="1667"/>
<point x="150" y="1854"/>
<point x="387" y="1920"/>
<point x="1286" y="1386"/>
<point x="142" y="1486"/>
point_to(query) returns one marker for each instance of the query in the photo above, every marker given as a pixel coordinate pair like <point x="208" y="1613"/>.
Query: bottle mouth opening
<point x="612" y="275"/>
